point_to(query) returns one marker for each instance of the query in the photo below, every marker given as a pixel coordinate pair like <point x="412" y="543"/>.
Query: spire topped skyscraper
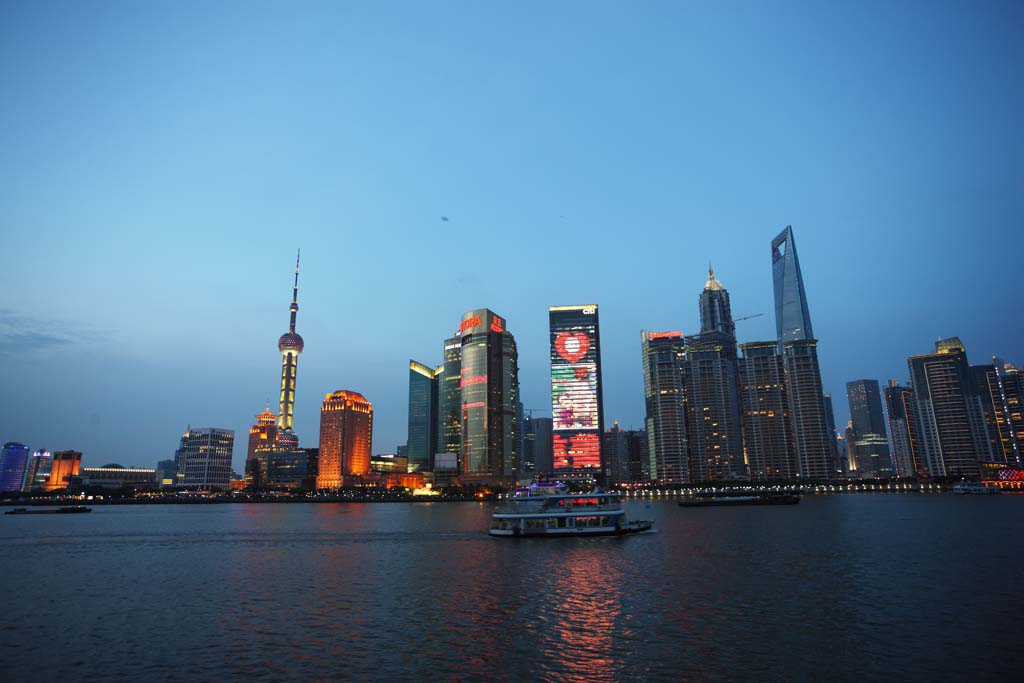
<point x="715" y="309"/>
<point x="290" y="345"/>
<point x="792" y="319"/>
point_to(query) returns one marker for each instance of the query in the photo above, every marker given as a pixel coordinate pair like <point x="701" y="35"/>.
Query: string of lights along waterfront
<point x="717" y="411"/>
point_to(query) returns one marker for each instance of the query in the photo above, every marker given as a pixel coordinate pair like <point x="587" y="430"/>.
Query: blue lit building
<point x="13" y="460"/>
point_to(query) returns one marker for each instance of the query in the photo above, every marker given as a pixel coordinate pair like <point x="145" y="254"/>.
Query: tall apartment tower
<point x="203" y="458"/>
<point x="290" y="345"/>
<point x="899" y="404"/>
<point x="948" y="411"/>
<point x="713" y="429"/>
<point x="424" y="419"/>
<point x="346" y="438"/>
<point x="664" y="362"/>
<point x="625" y="452"/>
<point x="767" y="440"/>
<point x="576" y="399"/>
<point x="489" y="382"/>
<point x="871" y="443"/>
<point x="543" y="446"/>
<point x="812" y="443"/>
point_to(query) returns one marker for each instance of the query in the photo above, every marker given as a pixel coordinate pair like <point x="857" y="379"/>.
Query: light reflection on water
<point x="868" y="586"/>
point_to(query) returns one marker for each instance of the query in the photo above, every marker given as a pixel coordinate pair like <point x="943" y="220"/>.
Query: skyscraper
<point x="424" y="419"/>
<point x="715" y="310"/>
<point x="576" y="399"/>
<point x="13" y="461"/>
<point x="713" y="431"/>
<point x="767" y="437"/>
<point x="290" y="345"/>
<point x="871" y="443"/>
<point x="792" y="318"/>
<point x="899" y="404"/>
<point x="664" y="361"/>
<point x="346" y="438"/>
<point x="203" y="458"/>
<point x="812" y="442"/>
<point x="809" y="425"/>
<point x="449" y="398"/>
<point x="490" y="389"/>
<point x="942" y="405"/>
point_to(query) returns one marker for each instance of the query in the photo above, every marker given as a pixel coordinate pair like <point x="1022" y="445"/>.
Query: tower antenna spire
<point x="295" y="293"/>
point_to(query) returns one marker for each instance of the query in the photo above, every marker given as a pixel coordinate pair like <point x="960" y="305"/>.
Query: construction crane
<point x="748" y="317"/>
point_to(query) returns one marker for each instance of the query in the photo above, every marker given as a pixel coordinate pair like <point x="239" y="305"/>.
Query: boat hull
<point x="628" y="528"/>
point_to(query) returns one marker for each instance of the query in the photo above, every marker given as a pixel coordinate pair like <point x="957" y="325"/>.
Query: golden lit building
<point x="346" y="438"/>
<point x="66" y="464"/>
<point x="263" y="434"/>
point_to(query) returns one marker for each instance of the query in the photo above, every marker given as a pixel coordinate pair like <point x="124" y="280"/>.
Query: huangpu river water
<point x="847" y="587"/>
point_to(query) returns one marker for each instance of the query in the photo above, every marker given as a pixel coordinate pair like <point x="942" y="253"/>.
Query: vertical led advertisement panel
<point x="576" y="413"/>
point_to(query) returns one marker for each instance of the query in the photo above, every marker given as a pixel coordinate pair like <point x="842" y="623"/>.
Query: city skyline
<point x="110" y="299"/>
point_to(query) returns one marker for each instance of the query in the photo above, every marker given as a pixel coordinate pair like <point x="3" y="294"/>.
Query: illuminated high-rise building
<point x="767" y="436"/>
<point x="871" y="443"/>
<point x="576" y="398"/>
<point x="1008" y="395"/>
<point x="489" y="382"/>
<point x="945" y="406"/>
<point x="290" y="345"/>
<point x="65" y="464"/>
<point x="664" y="361"/>
<point x="346" y="438"/>
<point x="899" y="404"/>
<point x="424" y="420"/>
<point x="13" y="462"/>
<point x="713" y="431"/>
<point x="203" y="458"/>
<point x="262" y="439"/>
<point x="38" y="471"/>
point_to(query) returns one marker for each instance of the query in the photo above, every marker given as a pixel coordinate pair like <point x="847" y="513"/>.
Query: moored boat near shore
<point x="725" y="501"/>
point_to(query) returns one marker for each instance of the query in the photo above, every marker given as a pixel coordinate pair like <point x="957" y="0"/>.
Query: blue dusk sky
<point x="162" y="161"/>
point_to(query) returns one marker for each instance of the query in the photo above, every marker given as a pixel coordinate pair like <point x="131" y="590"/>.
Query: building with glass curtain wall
<point x="424" y="420"/>
<point x="13" y="462"/>
<point x="576" y="398"/>
<point x="871" y="443"/>
<point x="767" y="437"/>
<point x="203" y="458"/>
<point x="489" y="383"/>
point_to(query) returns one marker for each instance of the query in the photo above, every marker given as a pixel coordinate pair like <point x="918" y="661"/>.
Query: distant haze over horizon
<point x="162" y="164"/>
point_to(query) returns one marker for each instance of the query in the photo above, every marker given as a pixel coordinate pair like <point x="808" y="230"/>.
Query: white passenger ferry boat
<point x="549" y="509"/>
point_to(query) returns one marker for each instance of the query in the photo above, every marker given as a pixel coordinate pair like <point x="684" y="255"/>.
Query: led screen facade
<point x="576" y="406"/>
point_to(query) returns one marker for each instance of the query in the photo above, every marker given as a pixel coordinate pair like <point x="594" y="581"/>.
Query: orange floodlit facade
<point x="346" y="438"/>
<point x="263" y="434"/>
<point x="66" y="464"/>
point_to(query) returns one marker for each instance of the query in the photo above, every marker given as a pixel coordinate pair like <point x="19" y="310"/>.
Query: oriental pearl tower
<point x="290" y="345"/>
